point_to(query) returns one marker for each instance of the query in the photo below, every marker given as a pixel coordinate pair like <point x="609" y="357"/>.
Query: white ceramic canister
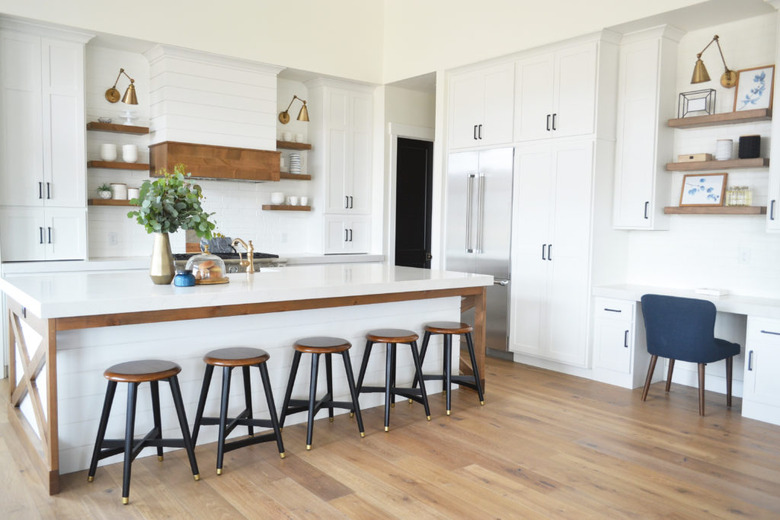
<point x="277" y="198"/>
<point x="133" y="193"/>
<point x="108" y="152"/>
<point x="129" y="153"/>
<point x="723" y="149"/>
<point x="119" y="191"/>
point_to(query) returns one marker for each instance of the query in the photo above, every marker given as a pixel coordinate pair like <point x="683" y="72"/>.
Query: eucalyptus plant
<point x="170" y="203"/>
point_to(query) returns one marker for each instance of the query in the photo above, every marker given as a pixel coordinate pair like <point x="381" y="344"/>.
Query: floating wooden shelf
<point x="715" y="210"/>
<point x="758" y="162"/>
<point x="109" y="202"/>
<point x="294" y="176"/>
<point x="285" y="207"/>
<point x="119" y="129"/>
<point x="727" y="118"/>
<point x="116" y="165"/>
<point x="289" y="145"/>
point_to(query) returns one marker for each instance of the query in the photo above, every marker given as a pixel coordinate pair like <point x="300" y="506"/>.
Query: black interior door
<point x="414" y="174"/>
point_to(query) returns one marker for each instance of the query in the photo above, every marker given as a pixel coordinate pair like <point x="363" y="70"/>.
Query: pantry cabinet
<point x="481" y="107"/>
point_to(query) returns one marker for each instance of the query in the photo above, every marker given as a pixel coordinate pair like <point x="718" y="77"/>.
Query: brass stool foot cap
<point x="362" y="434"/>
<point x="448" y="412"/>
<point x="125" y="501"/>
<point x="387" y="428"/>
<point x="160" y="458"/>
<point x="429" y="417"/>
<point x="308" y="447"/>
<point x="281" y="455"/>
<point x="196" y="477"/>
<point x="392" y="405"/>
<point x="90" y="479"/>
<point x="352" y="414"/>
<point x="482" y="403"/>
<point x="219" y="471"/>
<point x="411" y="401"/>
<point x="330" y="419"/>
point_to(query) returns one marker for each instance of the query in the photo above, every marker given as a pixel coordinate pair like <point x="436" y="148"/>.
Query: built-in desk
<point x="620" y="354"/>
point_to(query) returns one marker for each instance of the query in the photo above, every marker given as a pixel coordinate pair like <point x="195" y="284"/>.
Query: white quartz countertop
<point x="57" y="295"/>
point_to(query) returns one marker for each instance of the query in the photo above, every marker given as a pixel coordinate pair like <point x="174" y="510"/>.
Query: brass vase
<point x="162" y="269"/>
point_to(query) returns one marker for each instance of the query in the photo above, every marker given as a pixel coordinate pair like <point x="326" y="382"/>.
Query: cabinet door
<point x="21" y="137"/>
<point x="359" y="235"/>
<point x="534" y="96"/>
<point x="22" y="234"/>
<point x="613" y="334"/>
<point x="65" y="233"/>
<point x="64" y="153"/>
<point x="498" y="117"/>
<point x="336" y="236"/>
<point x="467" y="99"/>
<point x="359" y="181"/>
<point x="761" y="382"/>
<point x="575" y="91"/>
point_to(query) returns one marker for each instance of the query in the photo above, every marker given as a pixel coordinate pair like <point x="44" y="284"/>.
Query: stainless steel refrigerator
<point x="479" y="226"/>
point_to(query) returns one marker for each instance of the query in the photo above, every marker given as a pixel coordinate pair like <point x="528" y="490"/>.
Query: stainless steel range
<point x="232" y="261"/>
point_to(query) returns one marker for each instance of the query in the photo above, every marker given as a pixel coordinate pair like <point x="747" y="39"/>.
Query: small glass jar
<point x="184" y="278"/>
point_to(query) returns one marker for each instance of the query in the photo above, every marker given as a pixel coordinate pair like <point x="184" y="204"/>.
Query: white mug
<point x="108" y="152"/>
<point x="288" y="136"/>
<point x="293" y="200"/>
<point x="304" y="201"/>
<point x="298" y="138"/>
<point x="277" y="198"/>
<point x="129" y="153"/>
<point x="133" y="193"/>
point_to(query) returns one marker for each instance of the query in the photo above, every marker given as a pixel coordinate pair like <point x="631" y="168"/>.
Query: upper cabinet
<point x="555" y="93"/>
<point x="645" y="101"/>
<point x="480" y="105"/>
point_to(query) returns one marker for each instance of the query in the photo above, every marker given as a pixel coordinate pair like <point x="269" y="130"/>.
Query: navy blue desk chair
<point x="684" y="329"/>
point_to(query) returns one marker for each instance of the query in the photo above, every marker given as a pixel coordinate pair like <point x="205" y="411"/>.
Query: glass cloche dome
<point x="207" y="268"/>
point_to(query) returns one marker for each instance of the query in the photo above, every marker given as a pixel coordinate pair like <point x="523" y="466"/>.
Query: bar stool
<point x="447" y="329"/>
<point x="391" y="337"/>
<point x="134" y="373"/>
<point x="317" y="346"/>
<point x="228" y="359"/>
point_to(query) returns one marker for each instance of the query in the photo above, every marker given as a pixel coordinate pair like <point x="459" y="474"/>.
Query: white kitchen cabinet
<point x="481" y="107"/>
<point x="551" y="232"/>
<point x="347" y="235"/>
<point x="646" y="97"/>
<point x="43" y="156"/>
<point x="555" y="93"/>
<point x="28" y="233"/>
<point x="341" y="136"/>
<point x="761" y="384"/>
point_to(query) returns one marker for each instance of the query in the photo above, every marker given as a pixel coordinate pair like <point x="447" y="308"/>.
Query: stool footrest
<point x="111" y="447"/>
<point x="211" y="421"/>
<point x="249" y="441"/>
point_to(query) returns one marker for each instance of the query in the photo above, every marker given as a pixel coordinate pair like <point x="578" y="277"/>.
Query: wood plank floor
<point x="545" y="445"/>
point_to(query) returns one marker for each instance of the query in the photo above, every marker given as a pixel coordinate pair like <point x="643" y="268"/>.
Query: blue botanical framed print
<point x="754" y="88"/>
<point x="703" y="189"/>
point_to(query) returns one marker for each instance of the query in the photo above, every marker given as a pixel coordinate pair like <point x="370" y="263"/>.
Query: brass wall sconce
<point x="303" y="115"/>
<point x="112" y="94"/>
<point x="729" y="77"/>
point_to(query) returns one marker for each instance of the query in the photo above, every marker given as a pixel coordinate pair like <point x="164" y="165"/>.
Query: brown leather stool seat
<point x="447" y="329"/>
<point x="244" y="358"/>
<point x="391" y="337"/>
<point x="134" y="373"/>
<point x="319" y="346"/>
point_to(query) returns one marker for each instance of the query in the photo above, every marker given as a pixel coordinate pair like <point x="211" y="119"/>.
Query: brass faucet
<point x="250" y="255"/>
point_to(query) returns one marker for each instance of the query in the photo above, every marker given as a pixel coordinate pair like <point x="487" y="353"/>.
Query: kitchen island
<point x="65" y="329"/>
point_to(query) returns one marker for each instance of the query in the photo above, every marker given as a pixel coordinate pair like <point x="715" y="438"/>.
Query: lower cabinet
<point x="347" y="234"/>
<point x="619" y="350"/>
<point x="43" y="233"/>
<point x="761" y="386"/>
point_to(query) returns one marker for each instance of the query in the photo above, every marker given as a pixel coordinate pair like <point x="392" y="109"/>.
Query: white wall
<point x="730" y="252"/>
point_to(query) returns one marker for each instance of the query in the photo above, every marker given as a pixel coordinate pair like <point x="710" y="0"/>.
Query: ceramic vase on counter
<point x="162" y="268"/>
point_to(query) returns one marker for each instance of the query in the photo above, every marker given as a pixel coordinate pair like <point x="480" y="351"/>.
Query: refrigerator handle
<point x="469" y="212"/>
<point x="480" y="212"/>
<point x="502" y="283"/>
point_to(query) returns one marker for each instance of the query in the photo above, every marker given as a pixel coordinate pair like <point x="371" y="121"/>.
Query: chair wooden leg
<point x="669" y="374"/>
<point x="650" y="370"/>
<point x="701" y="388"/>
<point x="729" y="370"/>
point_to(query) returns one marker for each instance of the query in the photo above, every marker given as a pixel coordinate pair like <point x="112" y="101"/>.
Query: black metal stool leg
<point x="156" y="415"/>
<point x="448" y="370"/>
<point x="204" y="392"/>
<point x="223" y="412"/>
<point x="388" y="383"/>
<point x="248" y="398"/>
<point x="364" y="365"/>
<point x="329" y="376"/>
<point x="185" y="430"/>
<point x="315" y="359"/>
<point x="353" y="391"/>
<point x="475" y="369"/>
<point x="132" y="392"/>
<point x="418" y="370"/>
<point x="290" y="383"/>
<point x="392" y="375"/>
<point x="423" y="350"/>
<point x="107" y="402"/>
<point x="269" y="397"/>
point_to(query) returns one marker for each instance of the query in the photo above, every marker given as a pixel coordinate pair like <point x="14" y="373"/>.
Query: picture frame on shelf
<point x="755" y="88"/>
<point x="696" y="103"/>
<point x="704" y="189"/>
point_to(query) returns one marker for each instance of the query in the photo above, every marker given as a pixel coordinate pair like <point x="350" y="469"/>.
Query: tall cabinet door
<point x="467" y="93"/>
<point x="575" y="91"/>
<point x="534" y="91"/>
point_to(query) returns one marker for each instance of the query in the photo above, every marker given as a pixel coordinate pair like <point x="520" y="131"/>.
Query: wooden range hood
<point x="215" y="162"/>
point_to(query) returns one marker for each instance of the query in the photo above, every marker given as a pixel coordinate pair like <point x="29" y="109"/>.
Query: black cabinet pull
<point x="48" y="190"/>
<point x="750" y="361"/>
<point x="647" y="205"/>
<point x="549" y="252"/>
<point x="475" y="132"/>
<point x="351" y="202"/>
<point x="40" y="235"/>
<point x="553" y="126"/>
<point x="480" y="132"/>
<point x="346" y="235"/>
<point x="772" y="209"/>
<point x="350" y="234"/>
<point x="544" y="246"/>
<point x="40" y="190"/>
<point x="770" y="332"/>
<point x="49" y="228"/>
<point x="548" y="122"/>
<point x="625" y="340"/>
<point x="612" y="310"/>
